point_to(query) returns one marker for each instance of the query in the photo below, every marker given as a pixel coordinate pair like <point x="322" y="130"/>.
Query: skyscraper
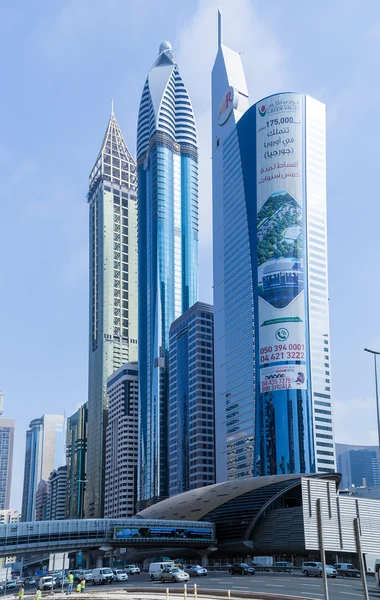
<point x="359" y="466"/>
<point x="191" y="436"/>
<point x="272" y="346"/>
<point x="122" y="443"/>
<point x="112" y="201"/>
<point x="43" y="453"/>
<point x="167" y="163"/>
<point x="7" y="429"/>
<point x="56" y="496"/>
<point x="76" y="456"/>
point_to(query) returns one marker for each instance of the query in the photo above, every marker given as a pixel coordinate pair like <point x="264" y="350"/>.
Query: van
<point x="102" y="575"/>
<point x="46" y="583"/>
<point x="156" y="569"/>
<point x="377" y="572"/>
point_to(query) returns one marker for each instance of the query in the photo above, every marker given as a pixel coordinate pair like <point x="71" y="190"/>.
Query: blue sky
<point x="62" y="61"/>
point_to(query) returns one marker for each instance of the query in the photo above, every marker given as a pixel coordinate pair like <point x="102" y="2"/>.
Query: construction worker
<point x="79" y="587"/>
<point x="82" y="585"/>
<point x="21" y="592"/>
<point x="70" y="581"/>
<point x="38" y="594"/>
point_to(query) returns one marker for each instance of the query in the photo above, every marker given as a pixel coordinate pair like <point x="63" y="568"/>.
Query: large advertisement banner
<point x="281" y="261"/>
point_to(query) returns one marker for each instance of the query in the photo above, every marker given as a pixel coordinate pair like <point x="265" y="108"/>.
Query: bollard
<point x="228" y="593"/>
<point x="195" y="591"/>
<point x="185" y="592"/>
<point x="167" y="593"/>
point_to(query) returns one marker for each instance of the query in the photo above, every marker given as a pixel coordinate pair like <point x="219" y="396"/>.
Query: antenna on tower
<point x="112" y="107"/>
<point x="220" y="28"/>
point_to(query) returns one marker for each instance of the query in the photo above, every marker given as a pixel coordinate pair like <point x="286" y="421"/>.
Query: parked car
<point x="10" y="584"/>
<point x="132" y="570"/>
<point x="174" y="574"/>
<point x="283" y="566"/>
<point x="102" y="575"/>
<point x="29" y="581"/>
<point x="59" y="581"/>
<point x="315" y="568"/>
<point x="195" y="570"/>
<point x="347" y="570"/>
<point x="46" y="582"/>
<point x="119" y="575"/>
<point x="242" y="569"/>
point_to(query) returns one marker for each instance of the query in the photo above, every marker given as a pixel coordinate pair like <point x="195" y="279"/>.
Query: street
<point x="279" y="583"/>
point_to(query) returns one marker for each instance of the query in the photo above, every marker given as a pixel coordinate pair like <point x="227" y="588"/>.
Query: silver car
<point x="315" y="569"/>
<point x="174" y="574"/>
<point x="195" y="570"/>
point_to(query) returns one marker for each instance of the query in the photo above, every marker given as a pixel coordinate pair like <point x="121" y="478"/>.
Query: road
<point x="278" y="583"/>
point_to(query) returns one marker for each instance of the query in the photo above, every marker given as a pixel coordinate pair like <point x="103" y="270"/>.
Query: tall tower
<point x="272" y="348"/>
<point x="167" y="163"/>
<point x="43" y="453"/>
<point x="112" y="201"/>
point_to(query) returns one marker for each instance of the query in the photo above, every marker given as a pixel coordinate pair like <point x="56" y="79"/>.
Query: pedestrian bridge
<point x="75" y="535"/>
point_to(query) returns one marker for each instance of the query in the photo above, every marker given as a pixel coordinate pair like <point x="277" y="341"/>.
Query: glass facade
<point x="113" y="336"/>
<point x="272" y="358"/>
<point x="191" y="435"/>
<point x="7" y="427"/>
<point x="44" y="452"/>
<point x="76" y="456"/>
<point x="167" y="162"/>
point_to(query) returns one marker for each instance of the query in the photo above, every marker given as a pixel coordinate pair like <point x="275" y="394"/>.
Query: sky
<point x="61" y="64"/>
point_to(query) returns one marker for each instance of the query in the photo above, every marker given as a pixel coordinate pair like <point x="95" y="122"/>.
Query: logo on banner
<point x="282" y="334"/>
<point x="262" y="110"/>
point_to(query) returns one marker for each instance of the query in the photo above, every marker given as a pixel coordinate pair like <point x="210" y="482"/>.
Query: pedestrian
<point x="21" y="592"/>
<point x="70" y="581"/>
<point x="82" y="585"/>
<point x="38" y="594"/>
<point x="79" y="587"/>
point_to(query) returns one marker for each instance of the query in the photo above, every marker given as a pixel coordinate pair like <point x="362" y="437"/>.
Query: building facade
<point x="44" y="451"/>
<point x="121" y="443"/>
<point x="7" y="429"/>
<point x="76" y="458"/>
<point x="112" y="202"/>
<point x="56" y="496"/>
<point x="359" y="467"/>
<point x="167" y="162"/>
<point x="41" y="500"/>
<point x="272" y="344"/>
<point x="191" y="437"/>
<point x="9" y="516"/>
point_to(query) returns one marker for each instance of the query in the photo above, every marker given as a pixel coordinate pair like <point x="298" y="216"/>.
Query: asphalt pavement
<point x="295" y="584"/>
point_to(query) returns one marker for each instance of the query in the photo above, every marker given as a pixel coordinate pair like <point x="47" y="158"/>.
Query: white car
<point x="119" y="575"/>
<point x="173" y="574"/>
<point x="132" y="570"/>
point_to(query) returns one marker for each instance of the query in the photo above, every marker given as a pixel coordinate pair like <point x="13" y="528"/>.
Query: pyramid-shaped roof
<point x="114" y="162"/>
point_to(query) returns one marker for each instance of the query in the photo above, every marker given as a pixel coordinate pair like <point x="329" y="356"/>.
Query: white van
<point x="46" y="582"/>
<point x="155" y="569"/>
<point x="102" y="575"/>
<point x="377" y="572"/>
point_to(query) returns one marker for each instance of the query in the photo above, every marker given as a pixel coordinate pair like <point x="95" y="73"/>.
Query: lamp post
<point x="377" y="392"/>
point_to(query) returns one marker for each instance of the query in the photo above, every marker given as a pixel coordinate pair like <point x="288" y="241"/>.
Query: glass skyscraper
<point x="272" y="345"/>
<point x="7" y="429"/>
<point x="76" y="456"/>
<point x="112" y="202"/>
<point x="167" y="163"/>
<point x="44" y="452"/>
<point x="191" y="400"/>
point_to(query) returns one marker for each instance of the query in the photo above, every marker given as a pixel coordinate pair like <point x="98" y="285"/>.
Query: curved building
<point x="272" y="342"/>
<point x="167" y="162"/>
<point x="252" y="514"/>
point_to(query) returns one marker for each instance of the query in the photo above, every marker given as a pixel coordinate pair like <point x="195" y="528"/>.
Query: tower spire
<point x="220" y="28"/>
<point x="112" y="113"/>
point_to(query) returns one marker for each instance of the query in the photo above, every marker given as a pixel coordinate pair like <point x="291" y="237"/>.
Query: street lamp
<point x="377" y="391"/>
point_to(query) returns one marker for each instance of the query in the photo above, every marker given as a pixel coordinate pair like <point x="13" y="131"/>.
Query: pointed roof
<point x="114" y="161"/>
